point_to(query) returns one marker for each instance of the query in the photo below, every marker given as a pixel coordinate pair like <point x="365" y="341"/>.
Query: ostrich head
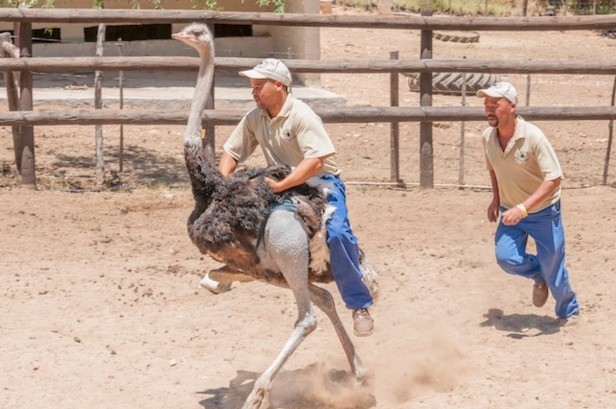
<point x="197" y="36"/>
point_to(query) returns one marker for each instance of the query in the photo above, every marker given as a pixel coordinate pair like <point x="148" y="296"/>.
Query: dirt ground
<point x="100" y="306"/>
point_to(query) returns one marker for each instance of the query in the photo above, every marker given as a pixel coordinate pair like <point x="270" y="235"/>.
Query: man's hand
<point x="306" y="169"/>
<point x="512" y="216"/>
<point x="493" y="211"/>
<point x="274" y="185"/>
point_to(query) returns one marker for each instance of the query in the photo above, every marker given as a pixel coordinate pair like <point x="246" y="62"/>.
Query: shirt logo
<point x="521" y="156"/>
<point x="287" y="135"/>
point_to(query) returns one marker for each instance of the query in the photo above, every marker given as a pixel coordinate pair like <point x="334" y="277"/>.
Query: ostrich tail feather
<point x="369" y="275"/>
<point x="319" y="250"/>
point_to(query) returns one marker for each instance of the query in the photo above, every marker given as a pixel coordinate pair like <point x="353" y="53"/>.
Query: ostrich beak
<point x="181" y="36"/>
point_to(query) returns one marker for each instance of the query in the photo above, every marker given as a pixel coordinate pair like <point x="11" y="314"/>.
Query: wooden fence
<point x="24" y="119"/>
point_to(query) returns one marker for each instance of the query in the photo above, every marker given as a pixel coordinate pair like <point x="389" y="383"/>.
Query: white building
<point x="155" y="39"/>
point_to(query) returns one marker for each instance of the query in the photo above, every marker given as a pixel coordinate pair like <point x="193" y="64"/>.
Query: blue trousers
<point x="546" y="228"/>
<point x="344" y="257"/>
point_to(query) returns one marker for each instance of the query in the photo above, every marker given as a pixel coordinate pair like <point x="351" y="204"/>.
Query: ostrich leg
<point x="323" y="299"/>
<point x="219" y="280"/>
<point x="287" y="246"/>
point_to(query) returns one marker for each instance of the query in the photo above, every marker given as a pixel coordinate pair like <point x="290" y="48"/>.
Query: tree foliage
<point x="213" y="4"/>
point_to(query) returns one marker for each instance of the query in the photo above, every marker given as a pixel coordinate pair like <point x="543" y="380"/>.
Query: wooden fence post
<point x="10" y="51"/>
<point x="462" y="136"/>
<point x="528" y="80"/>
<point x="394" y="127"/>
<point x="98" y="104"/>
<point x="609" y="138"/>
<point x="121" y="87"/>
<point x="426" y="166"/>
<point x="24" y="43"/>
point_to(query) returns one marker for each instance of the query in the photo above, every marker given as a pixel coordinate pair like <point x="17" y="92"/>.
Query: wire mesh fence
<point x="491" y="7"/>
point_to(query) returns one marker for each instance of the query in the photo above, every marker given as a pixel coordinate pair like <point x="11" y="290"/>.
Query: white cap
<point x="271" y="69"/>
<point x="500" y="90"/>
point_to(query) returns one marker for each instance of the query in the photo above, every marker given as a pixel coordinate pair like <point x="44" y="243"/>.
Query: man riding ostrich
<point x="268" y="224"/>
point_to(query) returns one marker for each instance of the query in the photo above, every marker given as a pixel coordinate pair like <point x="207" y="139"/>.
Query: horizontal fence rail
<point x="22" y="119"/>
<point x="60" y="64"/>
<point x="410" y="22"/>
<point x="329" y="115"/>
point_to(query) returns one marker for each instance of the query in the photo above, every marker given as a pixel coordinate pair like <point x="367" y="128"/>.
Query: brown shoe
<point x="363" y="324"/>
<point x="540" y="294"/>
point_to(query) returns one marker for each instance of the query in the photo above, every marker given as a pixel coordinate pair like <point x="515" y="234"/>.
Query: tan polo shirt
<point x="297" y="133"/>
<point x="527" y="161"/>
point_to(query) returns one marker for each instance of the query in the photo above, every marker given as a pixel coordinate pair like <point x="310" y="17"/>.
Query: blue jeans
<point x="344" y="253"/>
<point x="546" y="228"/>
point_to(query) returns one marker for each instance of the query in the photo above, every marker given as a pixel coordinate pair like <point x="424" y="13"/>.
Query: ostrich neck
<point x="200" y="98"/>
<point x="204" y="175"/>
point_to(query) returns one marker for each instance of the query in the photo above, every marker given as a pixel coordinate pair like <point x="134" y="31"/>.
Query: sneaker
<point x="540" y="294"/>
<point x="363" y="324"/>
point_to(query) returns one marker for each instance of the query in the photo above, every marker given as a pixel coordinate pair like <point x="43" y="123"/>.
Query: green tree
<point x="278" y="4"/>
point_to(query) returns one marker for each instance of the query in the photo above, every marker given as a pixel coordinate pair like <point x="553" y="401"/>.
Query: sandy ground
<point x="98" y="290"/>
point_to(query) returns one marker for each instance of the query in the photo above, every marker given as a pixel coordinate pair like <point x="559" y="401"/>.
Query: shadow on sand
<point x="521" y="326"/>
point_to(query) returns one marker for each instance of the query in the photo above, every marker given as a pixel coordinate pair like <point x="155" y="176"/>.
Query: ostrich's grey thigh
<point x="285" y="240"/>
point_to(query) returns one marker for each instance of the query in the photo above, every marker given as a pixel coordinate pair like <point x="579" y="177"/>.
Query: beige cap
<point x="500" y="90"/>
<point x="271" y="69"/>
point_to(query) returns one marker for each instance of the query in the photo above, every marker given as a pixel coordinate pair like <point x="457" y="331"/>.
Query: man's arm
<point x="306" y="169"/>
<point x="546" y="188"/>
<point x="227" y="164"/>
<point x="515" y="214"/>
<point x="495" y="203"/>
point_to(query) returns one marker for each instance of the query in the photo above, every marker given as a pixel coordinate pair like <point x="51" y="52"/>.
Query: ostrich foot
<point x="359" y="370"/>
<point x="258" y="398"/>
<point x="214" y="286"/>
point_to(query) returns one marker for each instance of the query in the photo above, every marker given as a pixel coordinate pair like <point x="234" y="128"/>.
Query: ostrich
<point x="230" y="223"/>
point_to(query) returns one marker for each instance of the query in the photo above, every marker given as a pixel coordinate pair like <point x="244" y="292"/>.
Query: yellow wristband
<point x="522" y="209"/>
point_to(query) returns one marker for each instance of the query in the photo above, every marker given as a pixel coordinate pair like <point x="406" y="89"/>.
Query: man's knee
<point x="507" y="260"/>
<point x="340" y="237"/>
<point x="334" y="236"/>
